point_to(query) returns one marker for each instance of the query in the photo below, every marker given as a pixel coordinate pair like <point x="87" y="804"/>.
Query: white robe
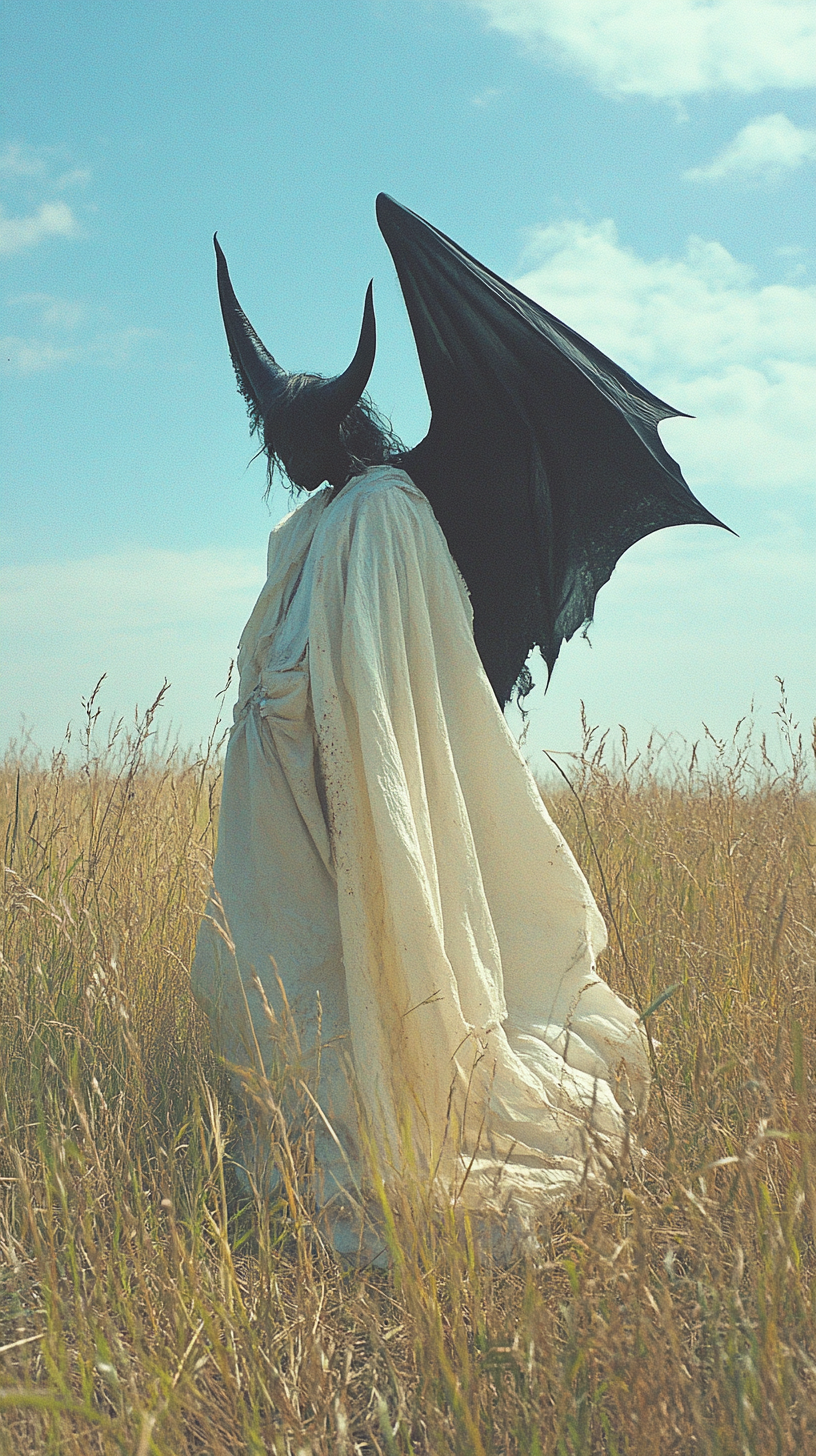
<point x="382" y="843"/>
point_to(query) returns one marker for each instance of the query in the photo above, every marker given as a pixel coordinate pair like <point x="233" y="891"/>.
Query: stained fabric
<point x="384" y="851"/>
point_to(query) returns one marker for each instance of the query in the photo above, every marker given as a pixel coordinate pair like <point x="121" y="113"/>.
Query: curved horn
<point x="260" y="379"/>
<point x="341" y="394"/>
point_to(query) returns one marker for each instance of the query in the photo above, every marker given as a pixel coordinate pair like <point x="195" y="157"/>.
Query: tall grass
<point x="146" y="1307"/>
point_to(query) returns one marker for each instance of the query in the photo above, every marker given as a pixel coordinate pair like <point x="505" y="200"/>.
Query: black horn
<point x="341" y="394"/>
<point x="261" y="379"/>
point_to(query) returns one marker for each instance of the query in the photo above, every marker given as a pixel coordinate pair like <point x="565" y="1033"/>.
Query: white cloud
<point x="58" y="317"/>
<point x="21" y="164"/>
<point x="104" y="594"/>
<point x="74" y="177"/>
<point x="702" y="334"/>
<point x="17" y="160"/>
<point x="694" y="626"/>
<point x="60" y="313"/>
<point x="764" y="148"/>
<point x="669" y="48"/>
<point x="51" y="219"/>
<point x="139" y="616"/>
<point x="486" y="97"/>
<point x="32" y="356"/>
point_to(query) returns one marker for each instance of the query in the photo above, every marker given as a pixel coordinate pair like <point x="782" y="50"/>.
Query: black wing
<point x="542" y="462"/>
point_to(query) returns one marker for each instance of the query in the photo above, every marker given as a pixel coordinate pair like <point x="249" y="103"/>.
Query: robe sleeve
<point x="469" y="933"/>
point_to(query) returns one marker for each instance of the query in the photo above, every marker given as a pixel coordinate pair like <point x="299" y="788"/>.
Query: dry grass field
<point x="144" y="1308"/>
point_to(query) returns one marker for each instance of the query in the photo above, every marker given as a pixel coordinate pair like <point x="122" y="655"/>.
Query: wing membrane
<point x="542" y="461"/>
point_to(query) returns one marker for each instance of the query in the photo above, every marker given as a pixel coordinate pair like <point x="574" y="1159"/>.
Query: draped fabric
<point x="385" y="858"/>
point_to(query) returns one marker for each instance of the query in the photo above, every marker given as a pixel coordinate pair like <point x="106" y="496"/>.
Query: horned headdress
<point x="316" y="409"/>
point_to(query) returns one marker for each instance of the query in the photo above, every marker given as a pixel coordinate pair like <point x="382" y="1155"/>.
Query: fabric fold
<point x="443" y="919"/>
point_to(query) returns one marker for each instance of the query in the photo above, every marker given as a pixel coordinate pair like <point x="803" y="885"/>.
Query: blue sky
<point x="643" y="167"/>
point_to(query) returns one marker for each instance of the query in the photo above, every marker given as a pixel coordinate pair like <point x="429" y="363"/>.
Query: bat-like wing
<point x="542" y="462"/>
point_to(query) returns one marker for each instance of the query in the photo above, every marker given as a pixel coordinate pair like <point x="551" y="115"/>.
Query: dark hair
<point x="366" y="437"/>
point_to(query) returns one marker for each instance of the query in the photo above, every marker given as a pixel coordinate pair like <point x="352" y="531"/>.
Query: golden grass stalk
<point x="148" y="1306"/>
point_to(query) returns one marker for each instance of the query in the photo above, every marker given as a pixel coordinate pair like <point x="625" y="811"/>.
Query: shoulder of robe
<point x="298" y="524"/>
<point x="384" y="492"/>
<point x="311" y="505"/>
<point x="381" y="510"/>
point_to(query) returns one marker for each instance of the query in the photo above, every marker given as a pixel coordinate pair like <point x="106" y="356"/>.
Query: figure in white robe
<point x="385" y="857"/>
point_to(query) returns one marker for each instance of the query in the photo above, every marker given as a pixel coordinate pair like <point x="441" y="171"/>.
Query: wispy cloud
<point x="32" y="356"/>
<point x="69" y="333"/>
<point x="55" y="313"/>
<point x="486" y="97"/>
<point x="110" y="350"/>
<point x="763" y="150"/>
<point x="101" y="594"/>
<point x="694" y="627"/>
<point x="18" y="160"/>
<point x="51" y="220"/>
<point x="668" y="48"/>
<point x="139" y="615"/>
<point x="702" y="333"/>
<point x="74" y="177"/>
<point x="32" y="173"/>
